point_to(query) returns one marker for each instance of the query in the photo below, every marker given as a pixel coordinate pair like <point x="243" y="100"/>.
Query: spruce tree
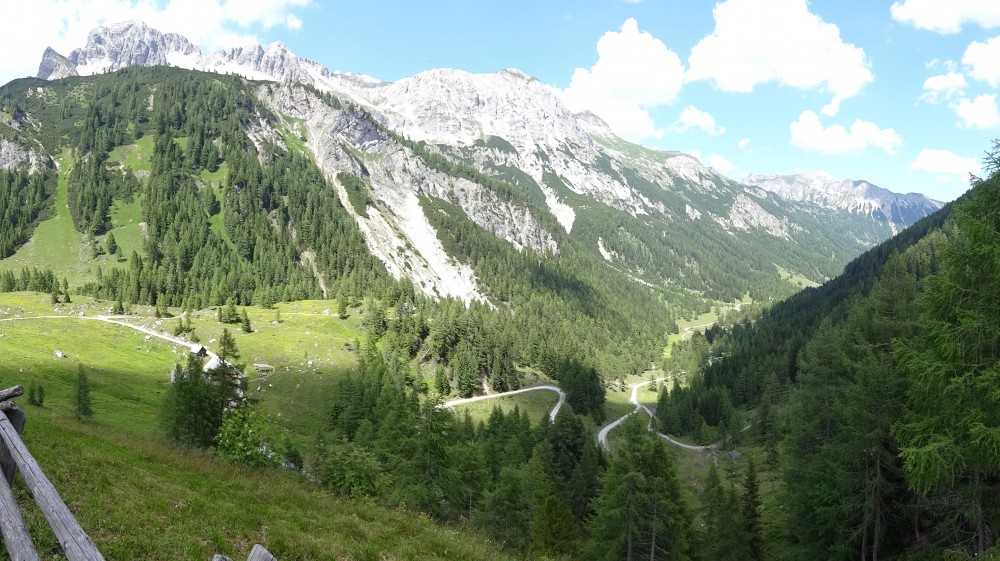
<point x="639" y="512"/>
<point x="553" y="529"/>
<point x="245" y="322"/>
<point x="82" y="406"/>
<point x="228" y="351"/>
<point x="342" y="304"/>
<point x="752" y="528"/>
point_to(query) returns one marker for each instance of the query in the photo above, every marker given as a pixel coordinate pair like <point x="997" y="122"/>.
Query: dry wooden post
<point x="75" y="542"/>
<point x="16" y="417"/>
<point x="15" y="533"/>
<point x="258" y="553"/>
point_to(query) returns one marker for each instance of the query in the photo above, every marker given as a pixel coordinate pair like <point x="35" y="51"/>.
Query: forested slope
<point x="874" y="395"/>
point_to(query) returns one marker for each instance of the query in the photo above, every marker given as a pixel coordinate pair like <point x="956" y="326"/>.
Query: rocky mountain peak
<point x="55" y="66"/>
<point x="454" y="106"/>
<point x="125" y="44"/>
<point x="134" y="43"/>
<point x="594" y="124"/>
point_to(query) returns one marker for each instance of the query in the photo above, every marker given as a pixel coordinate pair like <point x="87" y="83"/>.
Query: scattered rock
<point x="733" y="454"/>
<point x="59" y="354"/>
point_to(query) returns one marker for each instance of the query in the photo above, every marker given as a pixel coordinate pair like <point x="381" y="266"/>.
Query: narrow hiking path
<point x="602" y="436"/>
<point x="117" y="320"/>
<point x="552" y="414"/>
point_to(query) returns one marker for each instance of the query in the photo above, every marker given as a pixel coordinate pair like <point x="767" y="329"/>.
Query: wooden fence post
<point x="75" y="542"/>
<point x="15" y="532"/>
<point x="16" y="416"/>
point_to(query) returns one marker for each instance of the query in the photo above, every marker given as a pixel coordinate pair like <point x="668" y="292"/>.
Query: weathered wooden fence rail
<point x="14" y="455"/>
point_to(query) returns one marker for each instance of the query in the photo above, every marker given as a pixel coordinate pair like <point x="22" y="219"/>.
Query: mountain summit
<point x="134" y="43"/>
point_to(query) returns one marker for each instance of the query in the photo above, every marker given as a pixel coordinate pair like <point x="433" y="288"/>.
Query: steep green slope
<point x="161" y="158"/>
<point x="873" y="395"/>
<point x="140" y="499"/>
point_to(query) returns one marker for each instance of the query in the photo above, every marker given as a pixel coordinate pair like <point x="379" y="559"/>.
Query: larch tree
<point x="950" y="436"/>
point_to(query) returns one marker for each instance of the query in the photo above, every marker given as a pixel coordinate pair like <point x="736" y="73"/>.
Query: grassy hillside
<point x="140" y="498"/>
<point x="308" y="348"/>
<point x="55" y="244"/>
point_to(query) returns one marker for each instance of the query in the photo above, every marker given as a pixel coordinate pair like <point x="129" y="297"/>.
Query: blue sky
<point x="901" y="93"/>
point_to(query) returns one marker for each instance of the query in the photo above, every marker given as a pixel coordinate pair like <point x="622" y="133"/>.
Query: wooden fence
<point x="14" y="455"/>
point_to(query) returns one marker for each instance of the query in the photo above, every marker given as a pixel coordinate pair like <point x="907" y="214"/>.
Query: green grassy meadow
<point x="135" y="156"/>
<point x="538" y="404"/>
<point x="796" y="279"/>
<point x="55" y="243"/>
<point x="307" y="347"/>
<point x="685" y="327"/>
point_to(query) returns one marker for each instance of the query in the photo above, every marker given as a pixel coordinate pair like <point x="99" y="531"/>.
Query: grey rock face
<point x="55" y="66"/>
<point x="857" y="197"/>
<point x="136" y="44"/>
<point x="129" y="44"/>
<point x="15" y="157"/>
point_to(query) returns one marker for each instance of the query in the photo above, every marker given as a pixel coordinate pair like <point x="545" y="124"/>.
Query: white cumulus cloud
<point x="808" y="133"/>
<point x="720" y="164"/>
<point x="634" y="72"/>
<point x="943" y="87"/>
<point x="64" y="24"/>
<point x="744" y="143"/>
<point x="760" y="41"/>
<point x="979" y="113"/>
<point x="693" y="118"/>
<point x="946" y="16"/>
<point x="946" y="165"/>
<point x="983" y="60"/>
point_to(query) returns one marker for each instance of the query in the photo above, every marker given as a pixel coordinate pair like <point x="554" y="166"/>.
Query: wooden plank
<point x="11" y="392"/>
<point x="75" y="542"/>
<point x="15" y="533"/>
<point x="17" y="418"/>
<point x="258" y="553"/>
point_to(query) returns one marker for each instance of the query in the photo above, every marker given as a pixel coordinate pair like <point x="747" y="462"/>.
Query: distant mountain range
<point x="660" y="218"/>
<point x="858" y="197"/>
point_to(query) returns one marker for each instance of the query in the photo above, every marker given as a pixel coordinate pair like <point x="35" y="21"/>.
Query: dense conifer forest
<point x="874" y="395"/>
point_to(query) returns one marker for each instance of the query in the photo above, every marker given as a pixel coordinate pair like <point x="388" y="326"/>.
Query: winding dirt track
<point x="602" y="437"/>
<point x="552" y="414"/>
